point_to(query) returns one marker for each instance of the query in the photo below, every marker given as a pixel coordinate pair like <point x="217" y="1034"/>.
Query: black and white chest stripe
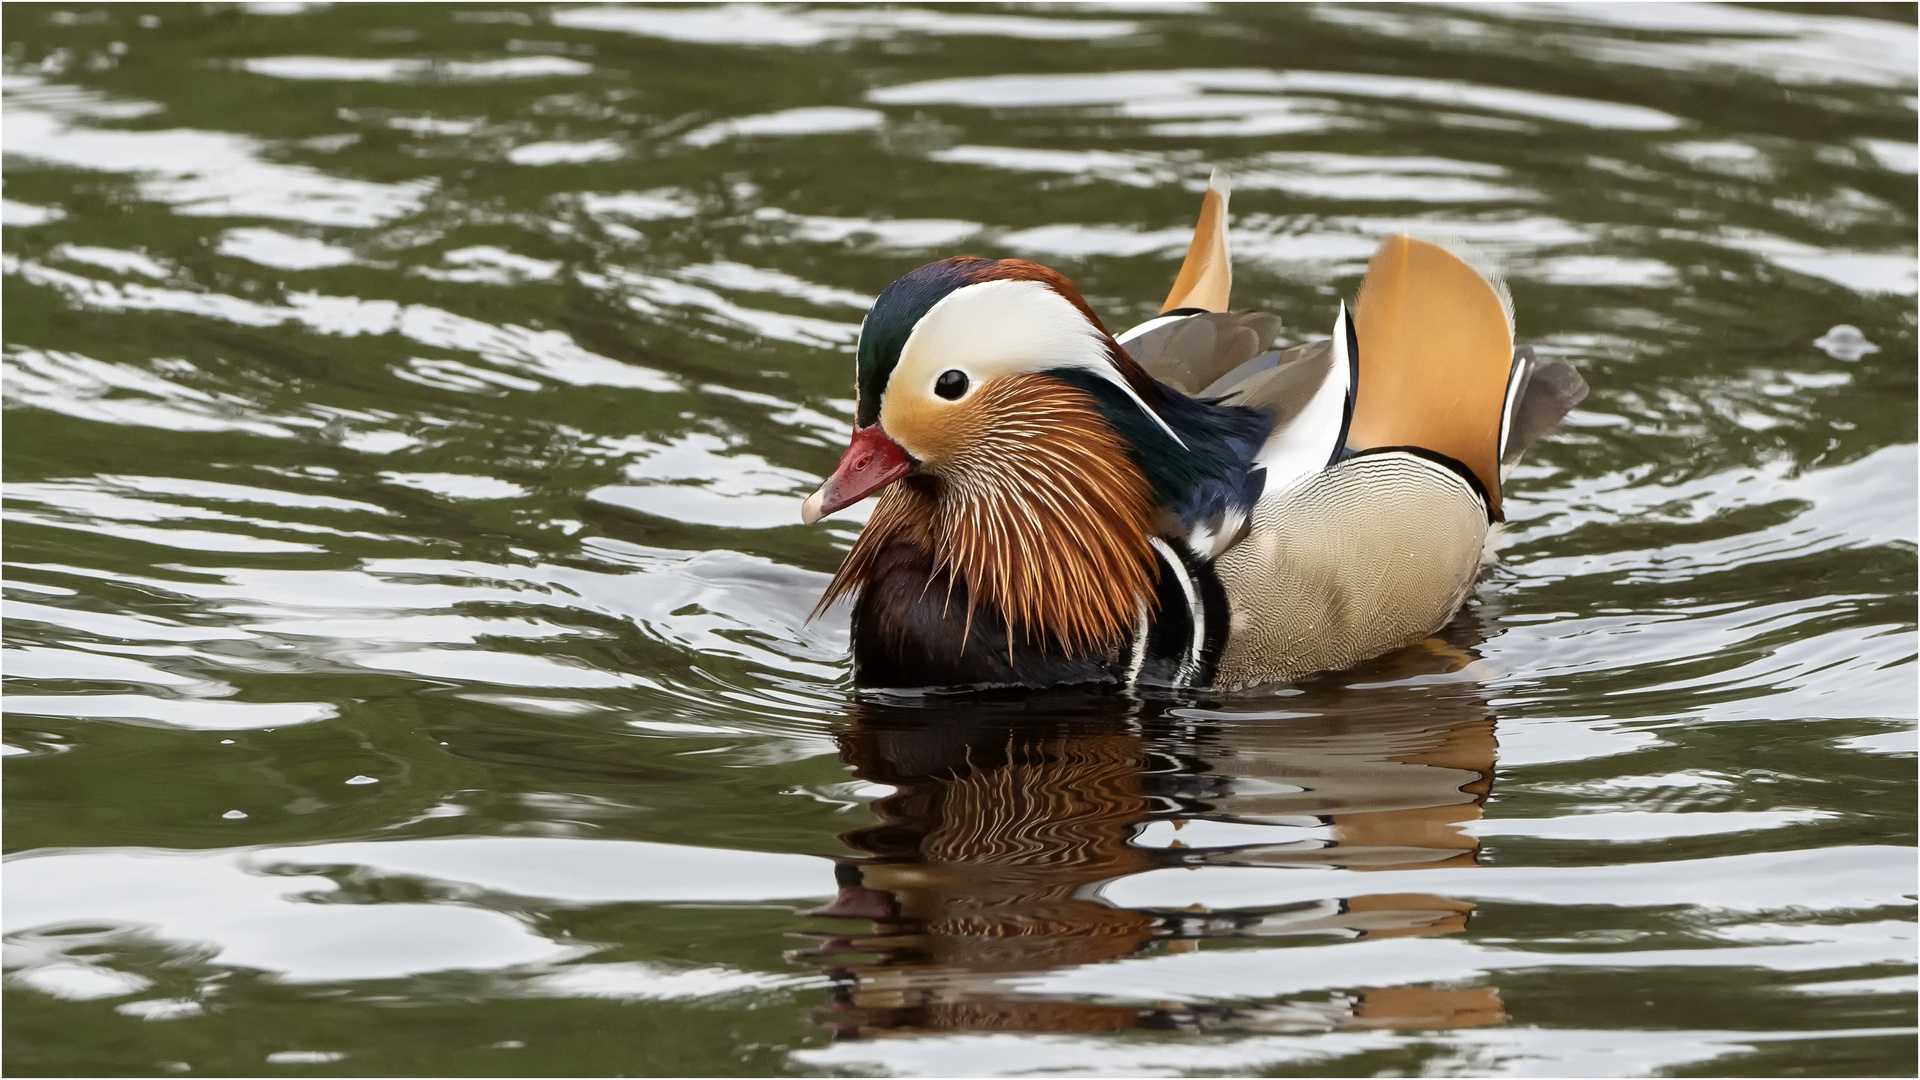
<point x="1179" y="644"/>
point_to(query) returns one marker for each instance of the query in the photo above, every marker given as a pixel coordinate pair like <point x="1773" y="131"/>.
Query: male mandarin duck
<point x="1183" y="505"/>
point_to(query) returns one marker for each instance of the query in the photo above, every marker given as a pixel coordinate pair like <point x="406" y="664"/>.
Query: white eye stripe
<point x="1006" y="328"/>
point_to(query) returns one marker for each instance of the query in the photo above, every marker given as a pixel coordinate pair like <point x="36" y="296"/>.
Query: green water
<point x="407" y="415"/>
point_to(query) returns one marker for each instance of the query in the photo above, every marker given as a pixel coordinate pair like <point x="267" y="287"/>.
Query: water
<point x="408" y="411"/>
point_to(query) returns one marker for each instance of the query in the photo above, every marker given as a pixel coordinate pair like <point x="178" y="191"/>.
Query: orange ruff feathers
<point x="1044" y="519"/>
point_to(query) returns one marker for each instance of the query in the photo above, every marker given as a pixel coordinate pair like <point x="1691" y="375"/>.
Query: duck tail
<point x="1541" y="395"/>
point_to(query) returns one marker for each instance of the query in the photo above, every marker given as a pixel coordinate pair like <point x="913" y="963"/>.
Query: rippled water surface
<point x="408" y="410"/>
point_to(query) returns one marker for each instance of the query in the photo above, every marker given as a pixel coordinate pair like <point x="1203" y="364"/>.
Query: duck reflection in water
<point x="1009" y="817"/>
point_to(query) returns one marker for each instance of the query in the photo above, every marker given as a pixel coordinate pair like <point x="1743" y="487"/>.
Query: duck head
<point x="1005" y="428"/>
<point x="953" y="358"/>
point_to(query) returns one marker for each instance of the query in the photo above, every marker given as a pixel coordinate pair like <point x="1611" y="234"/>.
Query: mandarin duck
<point x="1183" y="505"/>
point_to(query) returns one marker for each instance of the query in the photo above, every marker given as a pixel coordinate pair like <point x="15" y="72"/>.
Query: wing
<point x="1212" y="357"/>
<point x="1191" y="352"/>
<point x="1308" y="390"/>
<point x="1436" y="360"/>
<point x="1195" y="339"/>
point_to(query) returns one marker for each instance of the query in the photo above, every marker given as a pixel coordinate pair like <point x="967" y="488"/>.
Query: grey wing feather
<point x="1190" y="354"/>
<point x="1281" y="382"/>
<point x="1229" y="357"/>
<point x="1550" y="392"/>
<point x="1284" y="382"/>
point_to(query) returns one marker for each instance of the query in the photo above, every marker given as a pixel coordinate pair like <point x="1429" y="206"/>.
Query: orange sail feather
<point x="1436" y="351"/>
<point x="1206" y="276"/>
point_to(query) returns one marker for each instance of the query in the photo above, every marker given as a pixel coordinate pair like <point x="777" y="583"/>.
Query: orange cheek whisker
<point x="1035" y="509"/>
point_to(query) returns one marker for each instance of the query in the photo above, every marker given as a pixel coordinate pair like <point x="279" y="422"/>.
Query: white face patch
<point x="999" y="328"/>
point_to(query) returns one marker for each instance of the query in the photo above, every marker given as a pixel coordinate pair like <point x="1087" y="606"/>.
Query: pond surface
<point x="408" y="411"/>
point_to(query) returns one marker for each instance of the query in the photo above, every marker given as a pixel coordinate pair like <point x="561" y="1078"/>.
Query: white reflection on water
<point x="113" y="625"/>
<point x="549" y="353"/>
<point x="1080" y="241"/>
<point x="1900" y="157"/>
<point x="263" y="921"/>
<point x="1860" y="503"/>
<point x="1384" y="186"/>
<point x="485" y="264"/>
<point x="240" y="493"/>
<point x="1863" y="272"/>
<point x="255" y="908"/>
<point x="203" y="173"/>
<point x="399" y="69"/>
<point x="1189" y="93"/>
<point x="1134" y="169"/>
<point x="120" y="262"/>
<point x="63" y="664"/>
<point x="1314" y="247"/>
<point x="1638" y="825"/>
<point x="1266" y="973"/>
<point x="270" y="247"/>
<point x="78" y="982"/>
<point x="106" y="506"/>
<point x="1601" y="270"/>
<point x="267" y="909"/>
<point x="656" y="296"/>
<point x="1795" y="47"/>
<point x="726" y="274"/>
<point x="188" y="713"/>
<point x="651" y="205"/>
<point x="498" y="668"/>
<point x="561" y="152"/>
<point x="816" y="120"/>
<point x="758" y="24"/>
<point x="456" y="485"/>
<point x="900" y="234"/>
<point x="25" y="215"/>
<point x="691" y="479"/>
<point x="1519" y="1051"/>
<point x="634" y="981"/>
<point x="716" y="603"/>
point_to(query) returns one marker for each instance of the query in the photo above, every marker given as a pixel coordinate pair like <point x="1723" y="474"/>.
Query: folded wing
<point x="1425" y="361"/>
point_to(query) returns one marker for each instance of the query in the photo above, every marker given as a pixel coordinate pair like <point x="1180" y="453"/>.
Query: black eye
<point x="951" y="384"/>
